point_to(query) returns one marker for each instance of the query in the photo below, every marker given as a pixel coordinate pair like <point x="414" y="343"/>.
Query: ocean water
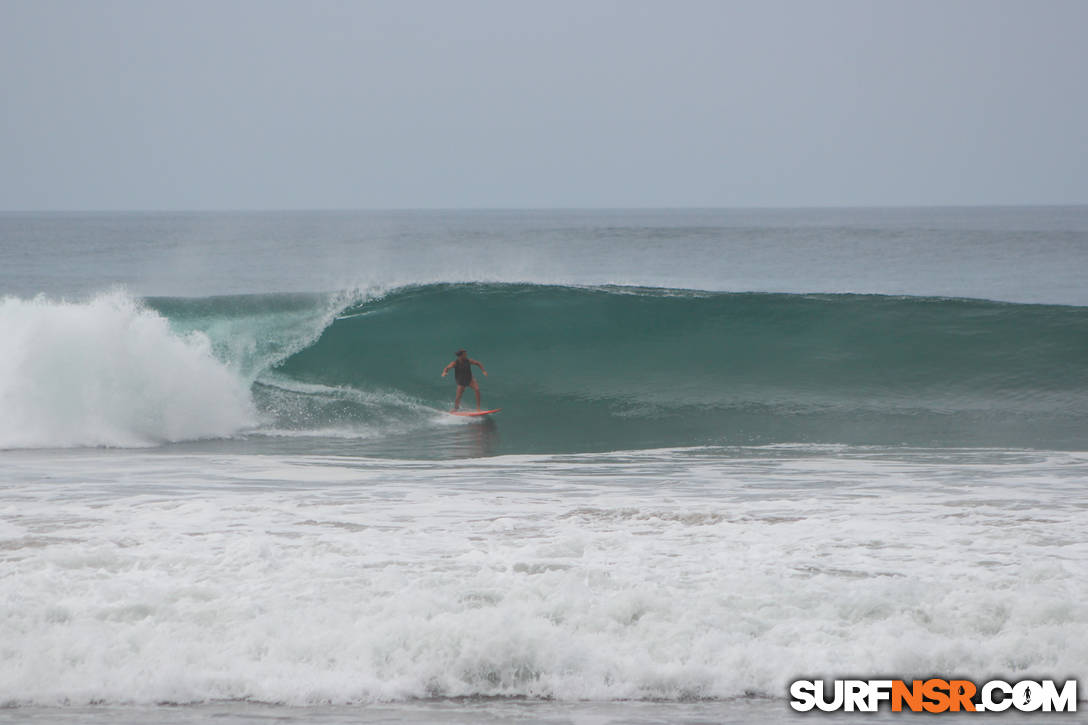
<point x="737" y="448"/>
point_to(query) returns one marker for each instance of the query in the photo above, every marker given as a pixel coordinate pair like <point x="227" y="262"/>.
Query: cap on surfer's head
<point x="460" y="352"/>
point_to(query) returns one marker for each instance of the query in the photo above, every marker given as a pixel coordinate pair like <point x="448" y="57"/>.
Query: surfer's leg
<point x="476" y="387"/>
<point x="457" y="400"/>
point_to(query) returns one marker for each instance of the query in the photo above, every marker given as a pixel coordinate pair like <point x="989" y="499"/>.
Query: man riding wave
<point x="462" y="372"/>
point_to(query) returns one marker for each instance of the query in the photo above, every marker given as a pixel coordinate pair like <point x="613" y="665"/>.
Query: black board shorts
<point x="463" y="379"/>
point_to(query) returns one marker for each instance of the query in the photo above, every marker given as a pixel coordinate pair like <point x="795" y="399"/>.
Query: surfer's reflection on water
<point x="457" y="438"/>
<point x="475" y="439"/>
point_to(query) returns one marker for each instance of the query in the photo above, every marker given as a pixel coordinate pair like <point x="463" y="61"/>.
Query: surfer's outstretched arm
<point x="447" y="368"/>
<point x="477" y="363"/>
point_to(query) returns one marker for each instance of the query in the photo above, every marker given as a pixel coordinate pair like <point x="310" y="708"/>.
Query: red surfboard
<point x="473" y="413"/>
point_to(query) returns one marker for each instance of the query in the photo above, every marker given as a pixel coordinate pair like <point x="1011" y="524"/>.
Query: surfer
<point x="462" y="372"/>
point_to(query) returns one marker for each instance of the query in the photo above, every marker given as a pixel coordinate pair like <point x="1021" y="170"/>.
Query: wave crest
<point x="574" y="368"/>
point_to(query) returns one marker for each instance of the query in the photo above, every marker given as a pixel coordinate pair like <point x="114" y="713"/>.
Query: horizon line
<point x="812" y="207"/>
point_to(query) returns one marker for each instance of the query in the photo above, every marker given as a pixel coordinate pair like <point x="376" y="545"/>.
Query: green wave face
<point x="582" y="369"/>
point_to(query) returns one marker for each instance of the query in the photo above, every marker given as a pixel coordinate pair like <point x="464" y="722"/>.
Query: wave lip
<point x="110" y="372"/>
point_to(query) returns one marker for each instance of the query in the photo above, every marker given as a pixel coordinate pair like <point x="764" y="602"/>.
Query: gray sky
<point x="270" y="104"/>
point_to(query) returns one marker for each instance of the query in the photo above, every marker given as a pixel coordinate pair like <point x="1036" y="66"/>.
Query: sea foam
<point x="110" y="372"/>
<point x="149" y="577"/>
